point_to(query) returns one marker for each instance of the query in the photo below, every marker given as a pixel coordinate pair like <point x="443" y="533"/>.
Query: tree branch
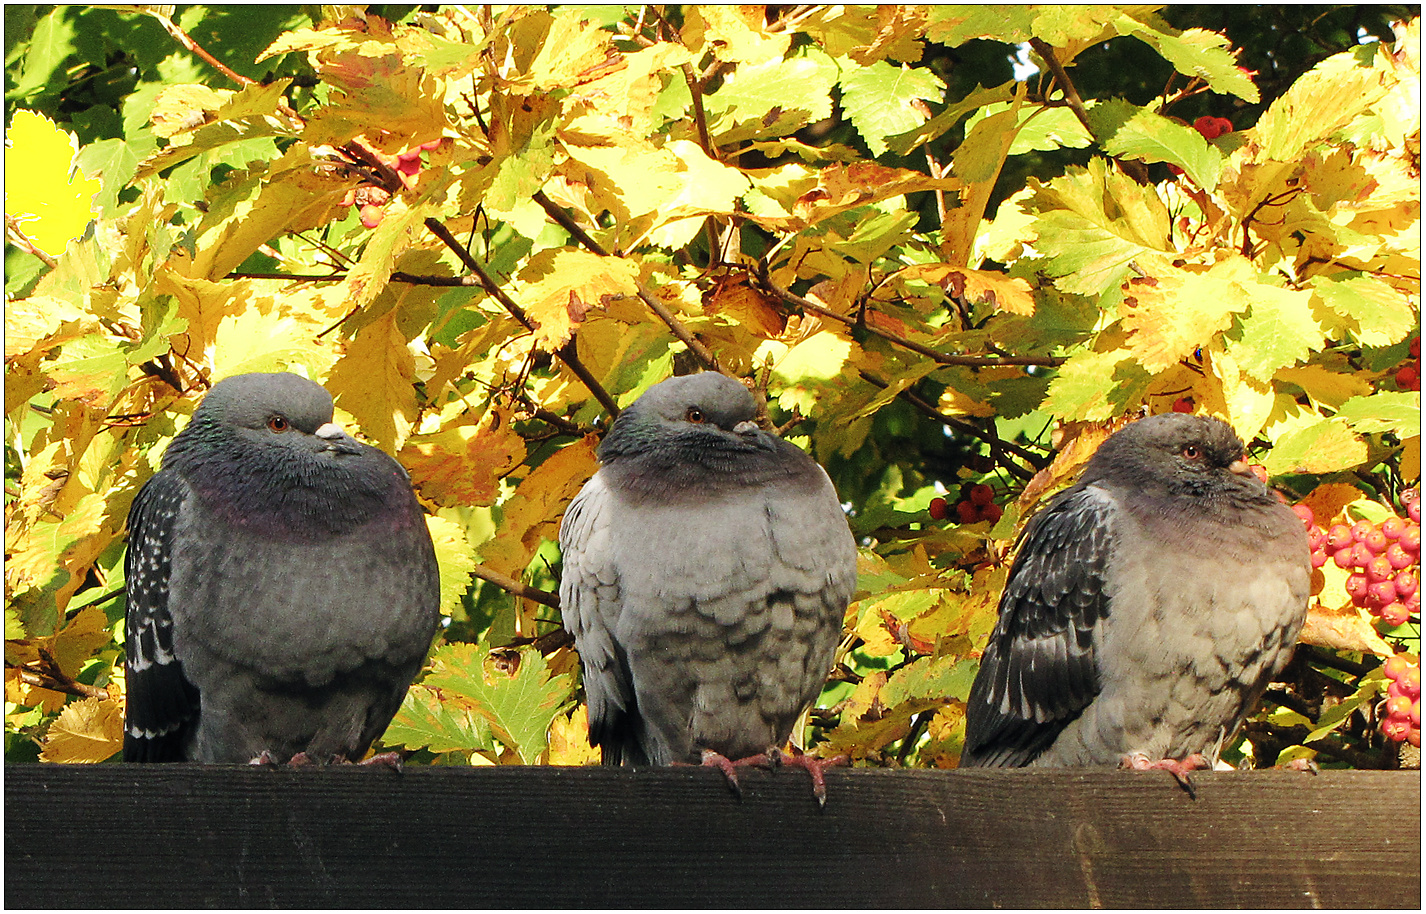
<point x="22" y="241"/>
<point x="563" y="220"/>
<point x="512" y="586"/>
<point x="1136" y="170"/>
<point x="971" y="361"/>
<point x="566" y="353"/>
<point x="45" y="673"/>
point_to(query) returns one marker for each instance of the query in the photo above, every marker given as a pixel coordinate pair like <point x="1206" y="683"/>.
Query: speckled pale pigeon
<point x="282" y="586"/>
<point x="1148" y="608"/>
<point x="707" y="568"/>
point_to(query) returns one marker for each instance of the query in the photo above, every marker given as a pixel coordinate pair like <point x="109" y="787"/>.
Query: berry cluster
<point x="977" y="503"/>
<point x="1382" y="561"/>
<point x="1213" y="127"/>
<point x="1401" y="712"/>
<point x="1408" y="374"/>
<point x="371" y="199"/>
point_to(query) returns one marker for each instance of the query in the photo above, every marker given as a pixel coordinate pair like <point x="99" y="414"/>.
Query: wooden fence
<point x="192" y="837"/>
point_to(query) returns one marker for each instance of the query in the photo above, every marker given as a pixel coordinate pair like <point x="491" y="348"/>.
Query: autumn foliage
<point x="485" y="231"/>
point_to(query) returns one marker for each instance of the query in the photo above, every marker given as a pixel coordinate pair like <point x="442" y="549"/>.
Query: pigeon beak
<point x="746" y="427"/>
<point x="1239" y="466"/>
<point x="336" y="439"/>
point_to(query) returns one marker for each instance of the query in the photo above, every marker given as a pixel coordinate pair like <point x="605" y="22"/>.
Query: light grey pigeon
<point x="707" y="569"/>
<point x="282" y="586"/>
<point x="1148" y="608"/>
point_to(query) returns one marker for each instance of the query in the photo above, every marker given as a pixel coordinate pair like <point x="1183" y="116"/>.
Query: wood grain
<point x="192" y="836"/>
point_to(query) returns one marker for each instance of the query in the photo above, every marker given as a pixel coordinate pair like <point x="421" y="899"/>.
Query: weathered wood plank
<point x="186" y="836"/>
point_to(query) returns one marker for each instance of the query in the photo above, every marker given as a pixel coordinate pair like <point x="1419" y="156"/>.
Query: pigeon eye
<point x="277" y="423"/>
<point x="1191" y="452"/>
<point x="694" y="414"/>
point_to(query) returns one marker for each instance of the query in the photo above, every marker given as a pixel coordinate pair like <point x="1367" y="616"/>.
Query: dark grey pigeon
<point x="282" y="586"/>
<point x="707" y="568"/>
<point x="1148" y="608"/>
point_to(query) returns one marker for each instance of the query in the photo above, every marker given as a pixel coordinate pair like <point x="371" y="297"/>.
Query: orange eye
<point x="1191" y="452"/>
<point x="694" y="414"/>
<point x="277" y="423"/>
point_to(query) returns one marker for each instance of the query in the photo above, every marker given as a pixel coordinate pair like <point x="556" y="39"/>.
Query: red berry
<point x="1408" y="377"/>
<point x="1360" y="530"/>
<point x="991" y="512"/>
<point x="1416" y="712"/>
<point x="1394" y="611"/>
<point x="967" y="512"/>
<point x="981" y="494"/>
<point x="1345" y="557"/>
<point x="1398" y="557"/>
<point x="1413" y="737"/>
<point x="1396" y="666"/>
<point x="371" y="216"/>
<point x="1406" y="583"/>
<point x="1319" y="558"/>
<point x="1316" y="538"/>
<point x="1413" y="511"/>
<point x="1392" y="527"/>
<point x="1395" y="730"/>
<point x="1398" y="707"/>
<point x="1304" y="512"/>
<point x="1339" y="535"/>
<point x="1361" y="555"/>
<point x="1376" y="541"/>
<point x="1379" y="569"/>
<point x="1394" y="614"/>
<point x="1213" y="127"/>
<point x="1261" y="472"/>
<point x="1410" y="681"/>
<point x="1182" y="404"/>
<point x="1410" y="495"/>
<point x="1381" y="593"/>
<point x="1413" y="603"/>
<point x="938" y="508"/>
<point x="1414" y="347"/>
<point x="1357" y="585"/>
<point x="1410" y="539"/>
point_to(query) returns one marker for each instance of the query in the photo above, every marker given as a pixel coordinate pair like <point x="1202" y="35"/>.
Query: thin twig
<point x="46" y="674"/>
<point x="566" y="353"/>
<point x="969" y="361"/>
<point x="510" y="585"/>
<point x="22" y="241"/>
<point x="1136" y="170"/>
<point x="561" y="218"/>
<point x="997" y="444"/>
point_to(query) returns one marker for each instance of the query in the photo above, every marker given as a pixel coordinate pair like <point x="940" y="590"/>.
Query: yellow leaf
<point x="557" y="288"/>
<point x="1318" y="104"/>
<point x="569" y="739"/>
<point x="464" y="465"/>
<point x="89" y="730"/>
<point x="454" y="557"/>
<point x="373" y="381"/>
<point x="178" y="109"/>
<point x="1008" y="293"/>
<point x="42" y="191"/>
<point x="531" y="515"/>
<point x="248" y="339"/>
<point x="568" y="51"/>
<point x="1171" y="311"/>
<point x="735" y="34"/>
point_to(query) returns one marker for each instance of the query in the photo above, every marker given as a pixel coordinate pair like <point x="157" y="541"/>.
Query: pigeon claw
<point x="717" y="760"/>
<point x="816" y="767"/>
<point x="1181" y="770"/>
<point x="390" y="760"/>
<point x="265" y="758"/>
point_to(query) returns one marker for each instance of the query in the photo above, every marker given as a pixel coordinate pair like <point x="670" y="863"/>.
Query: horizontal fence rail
<point x="223" y="836"/>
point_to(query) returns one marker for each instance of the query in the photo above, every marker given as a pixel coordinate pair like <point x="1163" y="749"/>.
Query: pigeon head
<point x="699" y="412"/>
<point x="694" y="437"/>
<point x="263" y="448"/>
<point x="1182" y="455"/>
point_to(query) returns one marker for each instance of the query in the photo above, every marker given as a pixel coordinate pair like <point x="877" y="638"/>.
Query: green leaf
<point x="1196" y="52"/>
<point x="930" y="678"/>
<point x="1327" y="446"/>
<point x="519" y="706"/>
<point x="1396" y="411"/>
<point x="1138" y="133"/>
<point x="1083" y="387"/>
<point x="455" y="557"/>
<point x="773" y="98"/>
<point x="1381" y="313"/>
<point x="880" y="99"/>
<point x="1278" y="331"/>
<point x="425" y="722"/>
<point x="51" y="43"/>
<point x="1040" y="129"/>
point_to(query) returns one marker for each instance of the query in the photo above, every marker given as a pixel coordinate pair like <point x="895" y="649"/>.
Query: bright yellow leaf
<point x="89" y="730"/>
<point x="42" y="190"/>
